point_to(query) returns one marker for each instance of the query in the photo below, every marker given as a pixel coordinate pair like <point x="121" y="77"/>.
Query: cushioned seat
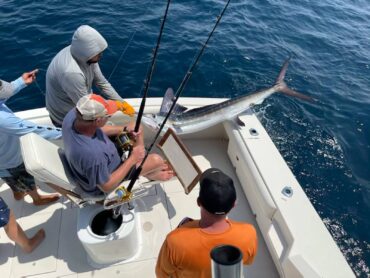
<point x="46" y="162"/>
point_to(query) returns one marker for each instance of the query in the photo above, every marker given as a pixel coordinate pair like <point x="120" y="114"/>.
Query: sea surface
<point x="325" y="143"/>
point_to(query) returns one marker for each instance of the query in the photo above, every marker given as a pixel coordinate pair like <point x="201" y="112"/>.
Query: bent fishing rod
<point x="177" y="95"/>
<point x="148" y="78"/>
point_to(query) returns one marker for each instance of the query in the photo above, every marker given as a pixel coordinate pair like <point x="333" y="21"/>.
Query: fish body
<point x="184" y="121"/>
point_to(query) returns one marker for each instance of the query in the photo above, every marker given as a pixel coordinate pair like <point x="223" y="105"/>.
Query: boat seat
<point x="47" y="163"/>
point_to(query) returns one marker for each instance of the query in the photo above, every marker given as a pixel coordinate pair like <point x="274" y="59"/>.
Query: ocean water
<point x="325" y="143"/>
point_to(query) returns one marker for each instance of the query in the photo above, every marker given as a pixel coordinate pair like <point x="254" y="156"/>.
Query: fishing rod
<point x="124" y="140"/>
<point x="177" y="95"/>
<point x="148" y="78"/>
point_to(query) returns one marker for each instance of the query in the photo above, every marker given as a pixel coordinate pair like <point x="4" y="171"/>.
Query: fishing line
<point x="148" y="78"/>
<point x="40" y="69"/>
<point x="123" y="140"/>
<point x="38" y="86"/>
<point x="128" y="43"/>
<point x="122" y="54"/>
<point x="37" y="83"/>
<point x="177" y="95"/>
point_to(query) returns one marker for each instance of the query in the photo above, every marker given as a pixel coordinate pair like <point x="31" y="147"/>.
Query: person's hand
<point x="132" y="134"/>
<point x="29" y="77"/>
<point x="125" y="108"/>
<point x="137" y="154"/>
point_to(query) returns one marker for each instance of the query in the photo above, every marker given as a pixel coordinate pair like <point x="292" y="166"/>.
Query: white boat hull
<point x="294" y="241"/>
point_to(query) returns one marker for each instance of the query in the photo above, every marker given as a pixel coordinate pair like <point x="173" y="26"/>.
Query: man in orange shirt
<point x="186" y="250"/>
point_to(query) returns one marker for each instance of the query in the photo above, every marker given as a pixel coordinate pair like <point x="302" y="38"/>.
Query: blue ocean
<point x="325" y="143"/>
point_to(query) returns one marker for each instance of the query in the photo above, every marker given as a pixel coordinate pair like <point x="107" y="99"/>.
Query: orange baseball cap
<point x="93" y="106"/>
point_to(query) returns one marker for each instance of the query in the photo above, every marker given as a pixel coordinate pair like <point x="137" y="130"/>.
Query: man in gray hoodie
<point x="74" y="70"/>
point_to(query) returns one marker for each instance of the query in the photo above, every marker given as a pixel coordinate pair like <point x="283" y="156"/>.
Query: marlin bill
<point x="184" y="121"/>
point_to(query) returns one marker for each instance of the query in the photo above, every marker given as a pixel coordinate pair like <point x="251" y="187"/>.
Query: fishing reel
<point x="124" y="141"/>
<point x="121" y="195"/>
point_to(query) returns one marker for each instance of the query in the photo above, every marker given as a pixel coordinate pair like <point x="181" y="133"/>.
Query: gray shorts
<point x="20" y="180"/>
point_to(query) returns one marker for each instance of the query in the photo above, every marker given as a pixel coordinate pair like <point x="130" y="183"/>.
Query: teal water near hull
<point x="326" y="143"/>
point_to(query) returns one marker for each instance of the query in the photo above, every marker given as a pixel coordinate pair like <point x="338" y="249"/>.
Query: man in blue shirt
<point x="93" y="158"/>
<point x="12" y="169"/>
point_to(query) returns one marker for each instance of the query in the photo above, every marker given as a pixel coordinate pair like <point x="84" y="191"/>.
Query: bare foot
<point x="47" y="199"/>
<point x="163" y="175"/>
<point x="35" y="241"/>
<point x="167" y="166"/>
<point x="19" y="195"/>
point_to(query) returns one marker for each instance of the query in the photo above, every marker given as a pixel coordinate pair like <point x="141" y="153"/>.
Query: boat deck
<point x="62" y="255"/>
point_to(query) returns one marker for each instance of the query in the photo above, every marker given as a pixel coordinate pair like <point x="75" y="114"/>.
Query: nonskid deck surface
<point x="62" y="255"/>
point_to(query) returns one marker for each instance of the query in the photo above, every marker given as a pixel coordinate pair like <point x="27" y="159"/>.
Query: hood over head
<point x="87" y="43"/>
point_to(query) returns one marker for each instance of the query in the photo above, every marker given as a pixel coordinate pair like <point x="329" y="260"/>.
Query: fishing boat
<point x="293" y="240"/>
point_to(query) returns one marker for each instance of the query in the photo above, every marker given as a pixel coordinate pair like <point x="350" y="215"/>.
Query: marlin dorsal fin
<point x="167" y="101"/>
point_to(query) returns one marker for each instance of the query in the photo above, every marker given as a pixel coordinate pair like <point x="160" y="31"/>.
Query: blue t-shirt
<point x="91" y="159"/>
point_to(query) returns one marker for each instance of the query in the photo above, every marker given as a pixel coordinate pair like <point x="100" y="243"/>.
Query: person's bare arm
<point x="120" y="173"/>
<point x="111" y="130"/>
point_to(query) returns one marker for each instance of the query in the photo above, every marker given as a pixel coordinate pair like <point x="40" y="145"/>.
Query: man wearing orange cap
<point x="92" y="156"/>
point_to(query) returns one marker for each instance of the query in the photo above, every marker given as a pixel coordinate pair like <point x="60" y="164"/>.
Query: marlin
<point x="183" y="120"/>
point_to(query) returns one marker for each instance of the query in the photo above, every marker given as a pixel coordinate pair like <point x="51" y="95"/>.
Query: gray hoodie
<point x="69" y="76"/>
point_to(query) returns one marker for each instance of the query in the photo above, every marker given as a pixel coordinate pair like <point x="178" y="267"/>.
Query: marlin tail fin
<point x="283" y="88"/>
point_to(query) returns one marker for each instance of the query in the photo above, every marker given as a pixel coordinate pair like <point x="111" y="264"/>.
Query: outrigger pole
<point x="150" y="71"/>
<point x="177" y="95"/>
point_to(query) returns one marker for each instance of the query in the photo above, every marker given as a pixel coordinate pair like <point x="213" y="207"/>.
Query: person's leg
<point x="23" y="183"/>
<point x="19" y="190"/>
<point x="16" y="233"/>
<point x="155" y="168"/>
<point x="40" y="200"/>
<point x="19" y="195"/>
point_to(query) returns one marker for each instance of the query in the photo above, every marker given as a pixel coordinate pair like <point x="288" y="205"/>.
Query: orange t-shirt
<point x="186" y="250"/>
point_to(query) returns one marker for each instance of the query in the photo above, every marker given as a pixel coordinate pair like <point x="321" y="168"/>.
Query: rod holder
<point x="226" y="262"/>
